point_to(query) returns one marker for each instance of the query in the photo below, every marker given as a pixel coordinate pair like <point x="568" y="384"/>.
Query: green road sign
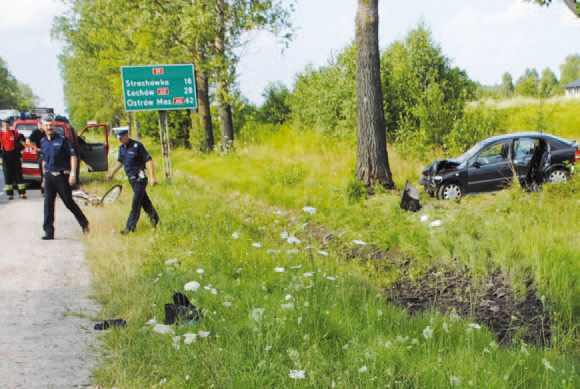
<point x="158" y="87"/>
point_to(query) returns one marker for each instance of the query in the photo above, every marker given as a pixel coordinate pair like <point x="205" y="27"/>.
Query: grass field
<point x="287" y="305"/>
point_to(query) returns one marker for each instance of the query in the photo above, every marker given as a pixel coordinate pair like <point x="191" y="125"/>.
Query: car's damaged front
<point x="439" y="172"/>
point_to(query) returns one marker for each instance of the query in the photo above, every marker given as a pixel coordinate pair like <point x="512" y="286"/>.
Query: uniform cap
<point x="121" y="131"/>
<point x="47" y="118"/>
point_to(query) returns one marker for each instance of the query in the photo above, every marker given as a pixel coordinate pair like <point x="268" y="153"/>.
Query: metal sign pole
<point x="168" y="150"/>
<point x="165" y="150"/>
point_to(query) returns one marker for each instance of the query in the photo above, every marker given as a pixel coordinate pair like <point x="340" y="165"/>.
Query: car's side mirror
<point x="476" y="164"/>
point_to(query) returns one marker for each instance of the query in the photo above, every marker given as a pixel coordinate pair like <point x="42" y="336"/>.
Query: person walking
<point x="11" y="147"/>
<point x="59" y="163"/>
<point x="134" y="156"/>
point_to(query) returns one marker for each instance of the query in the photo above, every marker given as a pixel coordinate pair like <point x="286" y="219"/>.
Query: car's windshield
<point x="26" y="128"/>
<point x="469" y="153"/>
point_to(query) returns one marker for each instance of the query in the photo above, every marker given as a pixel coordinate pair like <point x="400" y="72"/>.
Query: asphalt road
<point x="46" y="339"/>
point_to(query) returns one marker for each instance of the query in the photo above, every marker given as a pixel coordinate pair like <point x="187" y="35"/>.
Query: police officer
<point x="59" y="166"/>
<point x="134" y="157"/>
<point x="10" y="146"/>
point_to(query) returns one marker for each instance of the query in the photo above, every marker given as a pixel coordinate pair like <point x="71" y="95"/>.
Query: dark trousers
<point x="140" y="200"/>
<point x="59" y="184"/>
<point x="12" y="166"/>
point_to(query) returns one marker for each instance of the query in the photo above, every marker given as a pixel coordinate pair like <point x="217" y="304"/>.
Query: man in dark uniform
<point x="134" y="157"/>
<point x="59" y="165"/>
<point x="10" y="147"/>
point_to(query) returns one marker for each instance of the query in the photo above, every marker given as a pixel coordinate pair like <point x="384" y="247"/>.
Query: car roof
<point x="522" y="135"/>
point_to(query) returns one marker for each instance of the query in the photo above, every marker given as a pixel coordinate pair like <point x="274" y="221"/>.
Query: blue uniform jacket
<point x="134" y="157"/>
<point x="56" y="153"/>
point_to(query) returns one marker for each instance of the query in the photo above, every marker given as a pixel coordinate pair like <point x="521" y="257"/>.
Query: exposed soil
<point x="494" y="303"/>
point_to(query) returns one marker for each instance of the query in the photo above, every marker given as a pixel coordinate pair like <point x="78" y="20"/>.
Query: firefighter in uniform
<point x="10" y="145"/>
<point x="134" y="157"/>
<point x="59" y="167"/>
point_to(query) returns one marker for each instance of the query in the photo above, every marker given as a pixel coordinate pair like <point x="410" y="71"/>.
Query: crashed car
<point x="534" y="158"/>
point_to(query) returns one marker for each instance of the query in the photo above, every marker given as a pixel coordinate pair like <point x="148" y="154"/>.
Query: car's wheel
<point x="557" y="176"/>
<point x="449" y="192"/>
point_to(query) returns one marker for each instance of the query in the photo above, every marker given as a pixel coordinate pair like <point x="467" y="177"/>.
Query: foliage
<point x="276" y="108"/>
<point x="477" y="123"/>
<point x="570" y="69"/>
<point x="14" y="94"/>
<point x="326" y="312"/>
<point x="528" y="84"/>
<point x="549" y="84"/>
<point x="100" y="36"/>
<point x="325" y="99"/>
<point x="423" y="94"/>
<point x="507" y="85"/>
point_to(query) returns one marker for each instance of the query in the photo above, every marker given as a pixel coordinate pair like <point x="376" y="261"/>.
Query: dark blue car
<point x="493" y="163"/>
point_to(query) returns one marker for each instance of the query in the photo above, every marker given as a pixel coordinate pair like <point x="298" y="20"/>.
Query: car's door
<point x="523" y="151"/>
<point x="491" y="168"/>
<point x="94" y="154"/>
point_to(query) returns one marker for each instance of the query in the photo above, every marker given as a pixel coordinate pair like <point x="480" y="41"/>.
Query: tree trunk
<point x="204" y="109"/>
<point x="372" y="162"/>
<point x="226" y="120"/>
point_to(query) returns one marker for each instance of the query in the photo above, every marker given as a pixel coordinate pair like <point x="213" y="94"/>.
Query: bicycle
<point x="81" y="197"/>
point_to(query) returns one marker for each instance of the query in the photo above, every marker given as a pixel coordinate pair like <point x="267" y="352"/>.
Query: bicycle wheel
<point x="112" y="194"/>
<point x="80" y="199"/>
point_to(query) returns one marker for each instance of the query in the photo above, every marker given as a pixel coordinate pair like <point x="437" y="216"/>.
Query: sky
<point x="485" y="38"/>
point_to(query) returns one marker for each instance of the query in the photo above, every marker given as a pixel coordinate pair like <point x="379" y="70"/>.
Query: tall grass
<point x="225" y="224"/>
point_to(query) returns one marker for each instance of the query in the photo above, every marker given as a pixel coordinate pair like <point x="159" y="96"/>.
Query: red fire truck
<point x="94" y="154"/>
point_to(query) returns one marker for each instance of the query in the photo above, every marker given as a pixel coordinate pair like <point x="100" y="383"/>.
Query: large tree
<point x="570" y="69"/>
<point x="372" y="162"/>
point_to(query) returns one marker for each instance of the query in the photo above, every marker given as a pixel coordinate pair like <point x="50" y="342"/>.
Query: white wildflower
<point x="294" y="251"/>
<point x="189" y="338"/>
<point x="388" y="344"/>
<point x="547" y="364"/>
<point x="214" y="291"/>
<point x="176" y="342"/>
<point x="323" y="253"/>
<point x="204" y="334"/>
<point x="257" y="314"/>
<point x="362" y="369"/>
<point x="454" y="381"/>
<point x="445" y="327"/>
<point x="293" y="240"/>
<point x="380" y="312"/>
<point x="359" y="242"/>
<point x="200" y="271"/>
<point x="235" y="235"/>
<point x="192" y="286"/>
<point x="297" y="374"/>
<point x="435" y="223"/>
<point x="424" y="218"/>
<point x="309" y="210"/>
<point x="172" y="261"/>
<point x="288" y="297"/>
<point x="257" y="245"/>
<point x="284" y="235"/>
<point x="331" y="278"/>
<point x="268" y="348"/>
<point x="279" y="270"/>
<point x="287" y="306"/>
<point x="474" y="325"/>
<point x="227" y="303"/>
<point x="308" y="274"/>
<point x="428" y="333"/>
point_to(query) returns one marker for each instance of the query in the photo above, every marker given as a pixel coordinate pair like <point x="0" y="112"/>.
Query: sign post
<point x="160" y="88"/>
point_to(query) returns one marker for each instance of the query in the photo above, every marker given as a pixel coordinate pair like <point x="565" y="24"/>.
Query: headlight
<point x="437" y="178"/>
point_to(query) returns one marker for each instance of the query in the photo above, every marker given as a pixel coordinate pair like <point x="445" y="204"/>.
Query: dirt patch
<point x="492" y="303"/>
<point x="447" y="289"/>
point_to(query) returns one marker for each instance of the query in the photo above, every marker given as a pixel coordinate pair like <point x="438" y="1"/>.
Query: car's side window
<point x="525" y="147"/>
<point x="495" y="153"/>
